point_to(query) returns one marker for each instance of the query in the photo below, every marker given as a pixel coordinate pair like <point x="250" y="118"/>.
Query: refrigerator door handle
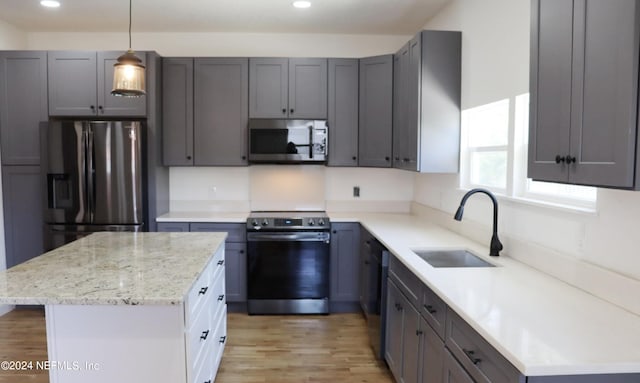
<point x="90" y="172"/>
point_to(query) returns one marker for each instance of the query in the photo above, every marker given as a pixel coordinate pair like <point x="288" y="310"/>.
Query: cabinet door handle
<point x="208" y="381"/>
<point x="241" y="251"/>
<point x="430" y="309"/>
<point x="203" y="290"/>
<point x="204" y="335"/>
<point x="221" y="262"/>
<point x="284" y="111"/>
<point x="220" y="297"/>
<point x="570" y="160"/>
<point x="100" y="109"/>
<point x="223" y="339"/>
<point x="471" y="355"/>
<point x="291" y="111"/>
<point x="244" y="158"/>
<point x="189" y="157"/>
<point x="559" y="159"/>
<point x="386" y="158"/>
<point x="398" y="307"/>
<point x="418" y="332"/>
<point x="93" y="108"/>
<point x="354" y="158"/>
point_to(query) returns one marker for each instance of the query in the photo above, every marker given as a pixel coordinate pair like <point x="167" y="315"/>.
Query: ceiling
<point x="384" y="17"/>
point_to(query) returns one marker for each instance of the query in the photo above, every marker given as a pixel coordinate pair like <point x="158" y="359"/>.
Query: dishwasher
<point x="375" y="294"/>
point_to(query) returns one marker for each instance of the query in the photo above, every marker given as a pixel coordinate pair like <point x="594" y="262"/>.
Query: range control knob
<point x="265" y="222"/>
<point x="254" y="222"/>
<point x="321" y="222"/>
<point x="310" y="223"/>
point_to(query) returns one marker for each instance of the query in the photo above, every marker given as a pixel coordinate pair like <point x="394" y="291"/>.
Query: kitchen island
<point x="128" y="307"/>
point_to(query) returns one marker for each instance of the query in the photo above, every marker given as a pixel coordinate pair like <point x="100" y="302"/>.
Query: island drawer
<point x="219" y="298"/>
<point x="434" y="311"/>
<point x="237" y="232"/>
<point x="477" y="356"/>
<point x="200" y="335"/>
<point x="407" y="282"/>
<point x="203" y="287"/>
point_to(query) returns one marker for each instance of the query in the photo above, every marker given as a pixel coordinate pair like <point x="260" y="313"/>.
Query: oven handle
<point x="289" y="237"/>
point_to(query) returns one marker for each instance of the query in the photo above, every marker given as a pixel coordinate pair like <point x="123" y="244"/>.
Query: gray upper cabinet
<point x="288" y="88"/>
<point x="426" y="130"/>
<point x="205" y="111"/>
<point x="268" y="87"/>
<point x="584" y="92"/>
<point x="23" y="105"/>
<point x="308" y="88"/>
<point x="376" y="110"/>
<point x="177" y="111"/>
<point x="80" y="85"/>
<point x="343" y="112"/>
<point x="221" y="101"/>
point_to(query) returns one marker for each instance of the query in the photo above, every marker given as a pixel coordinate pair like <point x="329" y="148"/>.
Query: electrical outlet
<point x="356" y="191"/>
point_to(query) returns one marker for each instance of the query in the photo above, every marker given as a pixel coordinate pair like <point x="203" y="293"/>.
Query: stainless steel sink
<point x="452" y="258"/>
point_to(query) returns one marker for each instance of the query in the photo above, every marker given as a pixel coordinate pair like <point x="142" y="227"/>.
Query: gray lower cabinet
<point x="205" y="111"/>
<point x="453" y="371"/>
<point x="177" y="111"/>
<point x="221" y="115"/>
<point x="432" y="352"/>
<point x="376" y="111"/>
<point x="584" y="92"/>
<point x="235" y="250"/>
<point x="343" y="112"/>
<point x="23" y="221"/>
<point x="426" y="104"/>
<point x="173" y="227"/>
<point x="345" y="264"/>
<point x="364" y="266"/>
<point x="394" y="330"/>
<point x="23" y="105"/>
<point x="80" y="84"/>
<point x="288" y="88"/>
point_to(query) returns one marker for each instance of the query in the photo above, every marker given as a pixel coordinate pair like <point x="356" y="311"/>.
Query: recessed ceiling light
<point x="302" y="4"/>
<point x="50" y="3"/>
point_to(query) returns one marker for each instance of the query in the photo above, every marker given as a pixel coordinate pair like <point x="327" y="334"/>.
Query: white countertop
<point x="542" y="325"/>
<point x="202" y="216"/>
<point x="110" y="268"/>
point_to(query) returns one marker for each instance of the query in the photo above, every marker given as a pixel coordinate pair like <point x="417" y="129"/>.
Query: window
<point x="485" y="141"/>
<point x="494" y="156"/>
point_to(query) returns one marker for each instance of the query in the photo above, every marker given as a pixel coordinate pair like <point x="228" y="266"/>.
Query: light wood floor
<point x="283" y="349"/>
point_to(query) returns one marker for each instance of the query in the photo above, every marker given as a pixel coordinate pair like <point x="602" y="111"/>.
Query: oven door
<point x="288" y="272"/>
<point x="287" y="141"/>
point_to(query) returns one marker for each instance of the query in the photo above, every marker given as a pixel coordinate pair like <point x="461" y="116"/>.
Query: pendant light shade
<point x="128" y="72"/>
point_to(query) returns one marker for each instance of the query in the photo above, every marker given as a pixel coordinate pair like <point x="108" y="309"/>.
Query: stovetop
<point x="288" y="220"/>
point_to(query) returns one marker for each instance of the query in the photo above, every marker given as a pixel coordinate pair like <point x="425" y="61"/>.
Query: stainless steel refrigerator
<point x="93" y="173"/>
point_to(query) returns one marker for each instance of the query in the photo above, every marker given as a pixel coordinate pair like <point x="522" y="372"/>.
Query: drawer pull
<point x="223" y="339"/>
<point x="418" y="332"/>
<point x="220" y="297"/>
<point x="430" y="309"/>
<point x="204" y="335"/>
<point x="398" y="307"/>
<point x="221" y="262"/>
<point x="203" y="290"/>
<point x="471" y="355"/>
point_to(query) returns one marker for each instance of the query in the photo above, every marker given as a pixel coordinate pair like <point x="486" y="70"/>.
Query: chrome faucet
<point x="496" y="245"/>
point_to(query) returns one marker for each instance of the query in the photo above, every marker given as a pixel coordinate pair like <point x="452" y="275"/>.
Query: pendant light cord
<point x="130" y="1"/>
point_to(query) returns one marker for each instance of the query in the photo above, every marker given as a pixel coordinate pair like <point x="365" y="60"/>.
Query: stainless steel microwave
<point x="287" y="141"/>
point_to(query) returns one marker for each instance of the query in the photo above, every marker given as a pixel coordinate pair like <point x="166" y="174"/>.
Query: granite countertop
<point x="542" y="325"/>
<point x="110" y="268"/>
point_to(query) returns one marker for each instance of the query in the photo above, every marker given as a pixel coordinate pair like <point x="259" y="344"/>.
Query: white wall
<point x="11" y="37"/>
<point x="495" y="65"/>
<point x="225" y="44"/>
<point x="277" y="187"/>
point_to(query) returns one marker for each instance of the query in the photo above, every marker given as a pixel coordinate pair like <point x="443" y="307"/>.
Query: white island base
<point x="128" y="307"/>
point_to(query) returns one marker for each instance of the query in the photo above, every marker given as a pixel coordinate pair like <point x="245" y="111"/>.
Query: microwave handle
<point x="310" y="141"/>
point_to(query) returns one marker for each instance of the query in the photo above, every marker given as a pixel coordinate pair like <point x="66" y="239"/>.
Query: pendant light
<point x="128" y="72"/>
